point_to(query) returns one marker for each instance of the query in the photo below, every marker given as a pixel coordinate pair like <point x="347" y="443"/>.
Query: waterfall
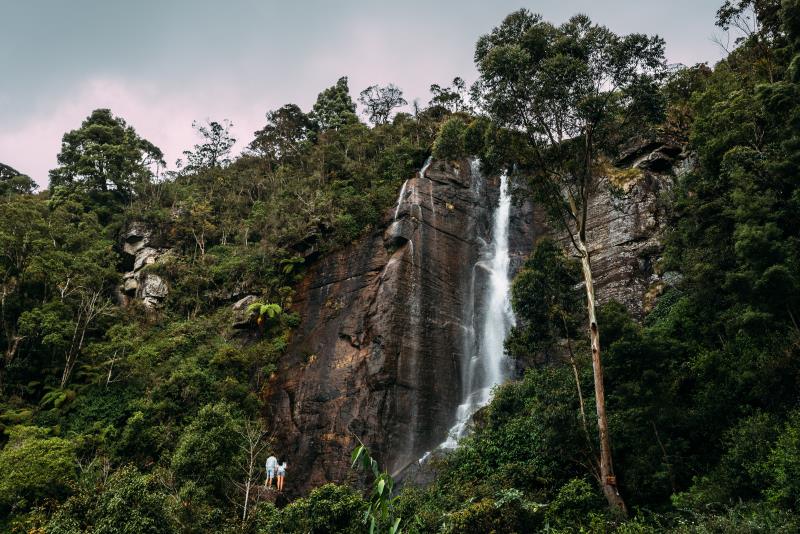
<point x="405" y="185"/>
<point x="400" y="199"/>
<point x="485" y="364"/>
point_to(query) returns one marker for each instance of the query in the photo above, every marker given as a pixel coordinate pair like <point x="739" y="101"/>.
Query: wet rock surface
<point x="378" y="352"/>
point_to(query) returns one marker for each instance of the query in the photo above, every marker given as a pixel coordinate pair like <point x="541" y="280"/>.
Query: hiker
<point x="281" y="475"/>
<point x="272" y="464"/>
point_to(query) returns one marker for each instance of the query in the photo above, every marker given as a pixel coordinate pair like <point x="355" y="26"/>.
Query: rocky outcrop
<point x="626" y="220"/>
<point x="140" y="283"/>
<point x="378" y="353"/>
<point x="241" y="317"/>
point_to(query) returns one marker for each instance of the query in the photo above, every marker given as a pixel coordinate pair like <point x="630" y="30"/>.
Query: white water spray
<point x="487" y="365"/>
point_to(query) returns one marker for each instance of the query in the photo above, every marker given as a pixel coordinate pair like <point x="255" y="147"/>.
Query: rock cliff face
<point x="625" y="223"/>
<point x="378" y="353"/>
<point x="138" y="283"/>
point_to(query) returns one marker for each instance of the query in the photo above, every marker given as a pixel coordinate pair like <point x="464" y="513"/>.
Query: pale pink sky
<point x="161" y="65"/>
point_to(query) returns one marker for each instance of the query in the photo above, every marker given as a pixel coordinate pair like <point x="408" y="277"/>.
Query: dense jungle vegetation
<point x="127" y="419"/>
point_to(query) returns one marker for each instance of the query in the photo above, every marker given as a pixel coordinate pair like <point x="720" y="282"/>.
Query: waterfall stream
<point x="485" y="364"/>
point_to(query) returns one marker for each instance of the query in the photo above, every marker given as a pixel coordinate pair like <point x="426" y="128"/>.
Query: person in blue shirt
<point x="281" y="475"/>
<point x="272" y="465"/>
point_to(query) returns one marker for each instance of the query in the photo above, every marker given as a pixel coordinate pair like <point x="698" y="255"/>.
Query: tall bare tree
<point x="254" y="443"/>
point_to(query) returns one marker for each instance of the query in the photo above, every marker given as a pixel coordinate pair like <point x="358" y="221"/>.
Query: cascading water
<point x="405" y="186"/>
<point x="485" y="361"/>
<point x="400" y="199"/>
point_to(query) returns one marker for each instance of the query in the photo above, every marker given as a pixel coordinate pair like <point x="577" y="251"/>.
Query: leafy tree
<point x="105" y="154"/>
<point x="285" y="136"/>
<point x="215" y="151"/>
<point x="452" y="98"/>
<point x="13" y="182"/>
<point x="562" y="87"/>
<point x="380" y="101"/>
<point x="334" y="108"/>
<point x="34" y="466"/>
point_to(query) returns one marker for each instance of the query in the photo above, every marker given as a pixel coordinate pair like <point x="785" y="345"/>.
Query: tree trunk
<point x="608" y="481"/>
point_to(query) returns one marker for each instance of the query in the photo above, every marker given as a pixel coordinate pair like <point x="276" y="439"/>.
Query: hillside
<point x="565" y="302"/>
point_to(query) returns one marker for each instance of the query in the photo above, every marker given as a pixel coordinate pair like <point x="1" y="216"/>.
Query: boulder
<point x="241" y="318"/>
<point x="136" y="237"/>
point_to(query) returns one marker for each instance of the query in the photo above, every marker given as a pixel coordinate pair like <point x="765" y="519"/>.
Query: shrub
<point x="34" y="466"/>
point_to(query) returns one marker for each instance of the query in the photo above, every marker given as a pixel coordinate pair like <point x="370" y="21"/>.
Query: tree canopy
<point x="105" y="154"/>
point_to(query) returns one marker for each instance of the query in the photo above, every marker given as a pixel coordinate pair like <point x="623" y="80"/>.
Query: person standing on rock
<point x="281" y="475"/>
<point x="272" y="464"/>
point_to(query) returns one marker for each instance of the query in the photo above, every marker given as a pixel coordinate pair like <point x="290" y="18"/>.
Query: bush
<point x="207" y="451"/>
<point x="784" y="465"/>
<point x="329" y="508"/>
<point x="132" y="504"/>
<point x="576" y="501"/>
<point x="34" y="466"/>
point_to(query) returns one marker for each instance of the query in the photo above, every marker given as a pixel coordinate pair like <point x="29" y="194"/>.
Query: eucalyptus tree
<point x="568" y="90"/>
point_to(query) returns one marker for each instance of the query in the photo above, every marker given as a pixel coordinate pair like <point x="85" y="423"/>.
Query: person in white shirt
<point x="272" y="464"/>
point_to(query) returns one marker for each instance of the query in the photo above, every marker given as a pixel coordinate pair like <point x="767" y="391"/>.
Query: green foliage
<point x="574" y="503"/>
<point x="105" y="154"/>
<point x="285" y="137"/>
<point x="329" y="508"/>
<point x="34" y="466"/>
<point x="452" y="98"/>
<point x="783" y="466"/>
<point x="380" y="101"/>
<point x="334" y="108"/>
<point x="13" y="182"/>
<point x="132" y="503"/>
<point x="380" y="509"/>
<point x="546" y="301"/>
<point x="215" y="150"/>
<point x="449" y="142"/>
<point x="207" y="451"/>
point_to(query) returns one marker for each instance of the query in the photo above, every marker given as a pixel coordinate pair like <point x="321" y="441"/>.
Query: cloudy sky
<point x="162" y="64"/>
